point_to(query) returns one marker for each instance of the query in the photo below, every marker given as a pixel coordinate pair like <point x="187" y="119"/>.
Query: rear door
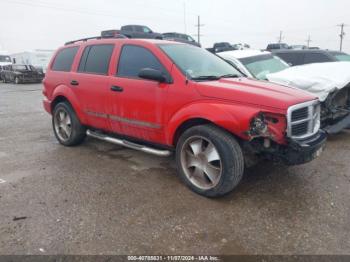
<point x="139" y="104"/>
<point x="91" y="84"/>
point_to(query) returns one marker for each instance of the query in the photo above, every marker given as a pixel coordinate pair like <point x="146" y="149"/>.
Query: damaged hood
<point x="245" y="90"/>
<point x="319" y="79"/>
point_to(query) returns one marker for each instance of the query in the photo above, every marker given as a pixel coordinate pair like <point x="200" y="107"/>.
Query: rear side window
<point x="127" y="28"/>
<point x="95" y="59"/>
<point x="135" y="58"/>
<point x="64" y="59"/>
<point x="316" y="58"/>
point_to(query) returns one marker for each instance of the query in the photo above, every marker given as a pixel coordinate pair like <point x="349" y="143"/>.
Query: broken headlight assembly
<point x="269" y="126"/>
<point x="258" y="126"/>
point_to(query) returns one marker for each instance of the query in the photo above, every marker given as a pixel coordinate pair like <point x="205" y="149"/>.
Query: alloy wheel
<point x="201" y="162"/>
<point x="62" y="124"/>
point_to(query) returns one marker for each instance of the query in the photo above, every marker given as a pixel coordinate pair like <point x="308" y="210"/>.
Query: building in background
<point x="39" y="58"/>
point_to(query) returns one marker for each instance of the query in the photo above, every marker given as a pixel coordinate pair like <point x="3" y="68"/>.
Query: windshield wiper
<point x="230" y="76"/>
<point x="206" y="78"/>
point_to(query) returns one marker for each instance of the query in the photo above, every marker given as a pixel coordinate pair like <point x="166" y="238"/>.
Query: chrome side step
<point x="128" y="144"/>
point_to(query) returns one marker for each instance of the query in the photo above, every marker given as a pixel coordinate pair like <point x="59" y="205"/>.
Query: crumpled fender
<point x="233" y="117"/>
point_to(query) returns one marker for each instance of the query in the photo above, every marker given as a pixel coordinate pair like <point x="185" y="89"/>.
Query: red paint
<point x="153" y="111"/>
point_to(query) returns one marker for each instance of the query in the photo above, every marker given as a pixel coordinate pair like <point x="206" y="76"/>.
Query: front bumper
<point x="47" y="105"/>
<point x="31" y="79"/>
<point x="301" y="152"/>
<point x="298" y="152"/>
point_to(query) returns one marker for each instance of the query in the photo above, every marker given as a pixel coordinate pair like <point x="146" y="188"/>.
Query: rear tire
<point x="209" y="160"/>
<point x="66" y="125"/>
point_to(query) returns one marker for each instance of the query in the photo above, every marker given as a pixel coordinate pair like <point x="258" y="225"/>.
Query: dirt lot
<point x="103" y="199"/>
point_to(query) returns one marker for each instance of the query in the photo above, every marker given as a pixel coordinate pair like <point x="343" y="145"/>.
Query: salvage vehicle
<point x="22" y="74"/>
<point x="221" y="47"/>
<point x="133" y="31"/>
<point x="330" y="82"/>
<point x="161" y="97"/>
<point x="182" y="38"/>
<point x="302" y="57"/>
<point x="5" y="60"/>
<point x="277" y="46"/>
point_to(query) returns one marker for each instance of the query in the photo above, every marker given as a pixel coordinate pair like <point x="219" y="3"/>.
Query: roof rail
<point x="83" y="40"/>
<point x="96" y="38"/>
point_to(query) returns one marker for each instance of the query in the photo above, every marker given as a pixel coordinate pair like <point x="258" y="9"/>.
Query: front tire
<point x="209" y="160"/>
<point x="17" y="81"/>
<point x="66" y="125"/>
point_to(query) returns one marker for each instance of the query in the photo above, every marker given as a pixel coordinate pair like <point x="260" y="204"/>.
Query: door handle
<point x="74" y="83"/>
<point x="117" y="89"/>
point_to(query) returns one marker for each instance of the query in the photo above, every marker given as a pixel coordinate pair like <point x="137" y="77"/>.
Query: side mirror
<point x="152" y="74"/>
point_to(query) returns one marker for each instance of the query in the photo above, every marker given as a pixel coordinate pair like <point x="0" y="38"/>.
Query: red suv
<point x="162" y="97"/>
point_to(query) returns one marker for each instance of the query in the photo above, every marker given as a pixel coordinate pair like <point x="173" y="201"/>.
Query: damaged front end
<point x="292" y="140"/>
<point x="335" y="111"/>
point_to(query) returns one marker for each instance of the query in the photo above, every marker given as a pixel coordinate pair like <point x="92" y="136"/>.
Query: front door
<point x="139" y="112"/>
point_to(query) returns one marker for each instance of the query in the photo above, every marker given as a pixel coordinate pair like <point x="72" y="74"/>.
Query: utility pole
<point x="308" y="41"/>
<point x="199" y="25"/>
<point x="280" y="37"/>
<point x="342" y="34"/>
<point x="185" y="21"/>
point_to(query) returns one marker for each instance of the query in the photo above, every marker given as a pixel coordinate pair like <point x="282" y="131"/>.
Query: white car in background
<point x="5" y="60"/>
<point x="330" y="82"/>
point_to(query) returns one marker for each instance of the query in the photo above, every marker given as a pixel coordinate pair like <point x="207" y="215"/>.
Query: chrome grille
<point x="300" y="114"/>
<point x="303" y="120"/>
<point x="300" y="129"/>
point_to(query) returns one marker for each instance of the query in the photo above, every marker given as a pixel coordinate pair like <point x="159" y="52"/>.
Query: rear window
<point x="95" y="59"/>
<point x="316" y="58"/>
<point x="293" y="58"/>
<point x="64" y="59"/>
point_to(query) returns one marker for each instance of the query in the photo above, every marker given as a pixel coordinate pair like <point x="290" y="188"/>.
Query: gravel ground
<point x="99" y="198"/>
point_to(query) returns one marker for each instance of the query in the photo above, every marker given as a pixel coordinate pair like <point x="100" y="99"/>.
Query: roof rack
<point x="83" y="40"/>
<point x="96" y="38"/>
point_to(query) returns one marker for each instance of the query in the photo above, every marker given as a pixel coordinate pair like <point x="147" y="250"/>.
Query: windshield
<point x="5" y="58"/>
<point x="260" y="66"/>
<point x="342" y="57"/>
<point x="196" y="62"/>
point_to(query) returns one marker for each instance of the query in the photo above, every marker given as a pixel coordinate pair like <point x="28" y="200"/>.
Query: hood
<point x="5" y="63"/>
<point x="319" y="79"/>
<point x="245" y="90"/>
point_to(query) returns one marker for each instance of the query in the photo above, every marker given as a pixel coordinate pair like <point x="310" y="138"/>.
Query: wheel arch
<point x="58" y="99"/>
<point x="64" y="94"/>
<point x="188" y="124"/>
<point x="199" y="114"/>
